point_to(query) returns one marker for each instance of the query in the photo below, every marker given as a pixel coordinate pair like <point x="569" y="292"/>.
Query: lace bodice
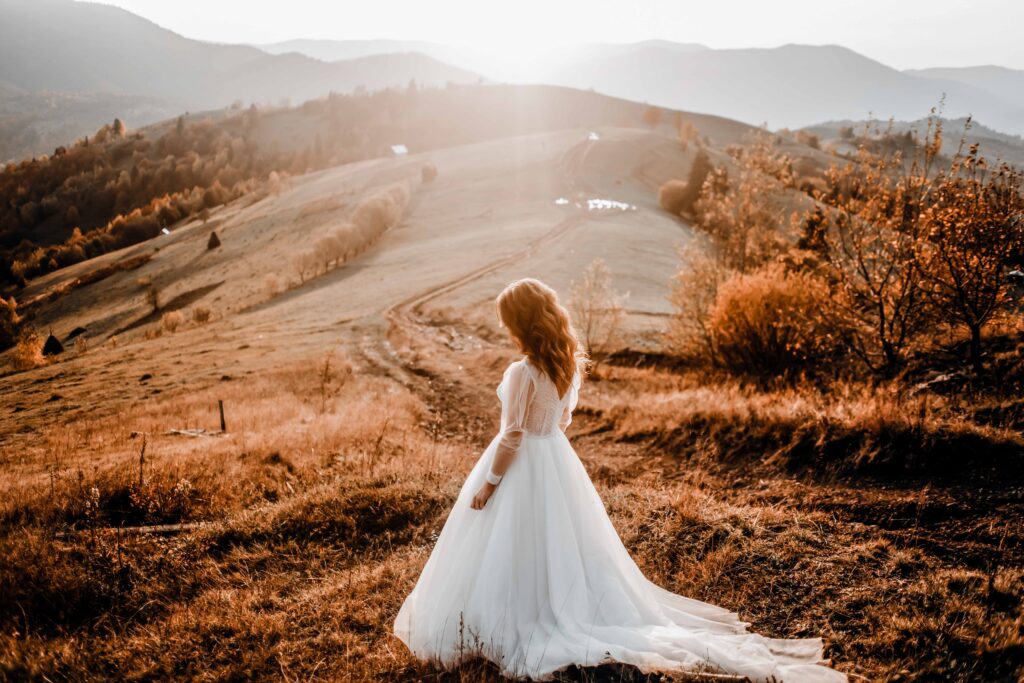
<point x="530" y="404"/>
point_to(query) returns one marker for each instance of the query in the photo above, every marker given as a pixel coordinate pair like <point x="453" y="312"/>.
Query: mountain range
<point x="61" y="47"/>
<point x="789" y="86"/>
<point x="67" y="66"/>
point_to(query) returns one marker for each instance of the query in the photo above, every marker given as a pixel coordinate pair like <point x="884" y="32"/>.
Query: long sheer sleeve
<point x="516" y="391"/>
<point x="570" y="403"/>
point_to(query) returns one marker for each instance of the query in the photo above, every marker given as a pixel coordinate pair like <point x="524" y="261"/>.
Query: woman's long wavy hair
<point x="542" y="329"/>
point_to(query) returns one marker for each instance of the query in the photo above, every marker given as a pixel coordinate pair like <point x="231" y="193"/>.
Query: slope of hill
<point x="492" y="204"/>
<point x="992" y="144"/>
<point x="121" y="189"/>
<point x="70" y="47"/>
<point x="357" y="400"/>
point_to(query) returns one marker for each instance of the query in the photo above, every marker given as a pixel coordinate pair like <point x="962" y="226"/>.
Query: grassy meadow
<point x="313" y="515"/>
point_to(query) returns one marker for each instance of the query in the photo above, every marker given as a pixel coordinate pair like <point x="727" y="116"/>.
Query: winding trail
<point x="405" y="317"/>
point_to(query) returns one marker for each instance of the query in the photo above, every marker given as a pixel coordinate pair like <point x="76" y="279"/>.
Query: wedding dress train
<point x="539" y="580"/>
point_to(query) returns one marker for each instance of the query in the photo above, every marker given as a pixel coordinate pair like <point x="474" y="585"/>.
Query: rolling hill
<point x="493" y="203"/>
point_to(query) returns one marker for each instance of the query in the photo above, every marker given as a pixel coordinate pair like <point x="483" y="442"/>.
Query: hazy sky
<point x="902" y="33"/>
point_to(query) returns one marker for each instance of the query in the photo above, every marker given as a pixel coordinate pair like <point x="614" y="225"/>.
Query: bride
<point x="529" y="572"/>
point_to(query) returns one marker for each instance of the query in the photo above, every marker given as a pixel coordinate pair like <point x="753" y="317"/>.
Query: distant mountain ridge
<point x="64" y="47"/>
<point x="789" y="86"/>
<point x="996" y="79"/>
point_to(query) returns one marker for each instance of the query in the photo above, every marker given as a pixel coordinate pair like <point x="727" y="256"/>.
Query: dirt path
<point x="405" y="322"/>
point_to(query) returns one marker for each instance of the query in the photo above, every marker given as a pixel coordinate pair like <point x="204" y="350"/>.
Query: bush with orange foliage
<point x="10" y="321"/>
<point x="28" y="353"/>
<point x="172" y="320"/>
<point x="744" y="213"/>
<point x="671" y="196"/>
<point x="773" y="321"/>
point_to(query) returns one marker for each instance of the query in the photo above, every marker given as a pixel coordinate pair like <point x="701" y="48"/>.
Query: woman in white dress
<point x="529" y="572"/>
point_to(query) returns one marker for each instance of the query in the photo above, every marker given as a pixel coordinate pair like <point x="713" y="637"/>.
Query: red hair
<point x="542" y="329"/>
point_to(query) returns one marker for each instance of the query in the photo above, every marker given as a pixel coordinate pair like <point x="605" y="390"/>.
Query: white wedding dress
<point x="539" y="580"/>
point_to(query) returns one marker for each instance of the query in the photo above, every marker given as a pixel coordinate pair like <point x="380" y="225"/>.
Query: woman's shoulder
<point x="517" y="368"/>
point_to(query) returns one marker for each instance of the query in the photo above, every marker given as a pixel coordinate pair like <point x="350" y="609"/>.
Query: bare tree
<point x="597" y="311"/>
<point x="745" y="214"/>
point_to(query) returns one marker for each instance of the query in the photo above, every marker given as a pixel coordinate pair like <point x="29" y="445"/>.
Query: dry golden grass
<point x="312" y="515"/>
<point x="322" y="501"/>
<point x="843" y="427"/>
<point x="172" y="320"/>
<point x="200" y="315"/>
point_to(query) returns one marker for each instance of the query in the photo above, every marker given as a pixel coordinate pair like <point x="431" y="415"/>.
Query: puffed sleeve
<point x="570" y="403"/>
<point x="516" y="390"/>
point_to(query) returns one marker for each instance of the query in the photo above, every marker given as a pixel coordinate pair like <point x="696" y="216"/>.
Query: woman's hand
<point x="482" y="496"/>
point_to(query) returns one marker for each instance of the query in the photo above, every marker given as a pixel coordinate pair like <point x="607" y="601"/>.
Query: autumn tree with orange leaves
<point x="912" y="240"/>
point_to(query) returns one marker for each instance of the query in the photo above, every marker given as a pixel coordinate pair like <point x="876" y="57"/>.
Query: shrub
<point x="694" y="291"/>
<point x="152" y="295"/>
<point x="271" y="285"/>
<point x="652" y="116"/>
<point x="916" y="246"/>
<point x="10" y="321"/>
<point x="746" y="216"/>
<point x="772" y="321"/>
<point x="172" y="320"/>
<point x="381" y="211"/>
<point x="680" y="198"/>
<point x="304" y="265"/>
<point x="428" y="173"/>
<point x="200" y="315"/>
<point x="807" y="138"/>
<point x="28" y="353"/>
<point x="672" y="196"/>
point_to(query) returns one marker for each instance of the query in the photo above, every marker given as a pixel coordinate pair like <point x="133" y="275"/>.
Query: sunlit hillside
<point x="250" y="343"/>
<point x="140" y="533"/>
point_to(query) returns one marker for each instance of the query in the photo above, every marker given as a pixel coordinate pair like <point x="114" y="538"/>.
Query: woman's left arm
<point x="519" y="391"/>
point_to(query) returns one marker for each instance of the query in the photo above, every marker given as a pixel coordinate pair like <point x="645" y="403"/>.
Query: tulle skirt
<point x="539" y="580"/>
